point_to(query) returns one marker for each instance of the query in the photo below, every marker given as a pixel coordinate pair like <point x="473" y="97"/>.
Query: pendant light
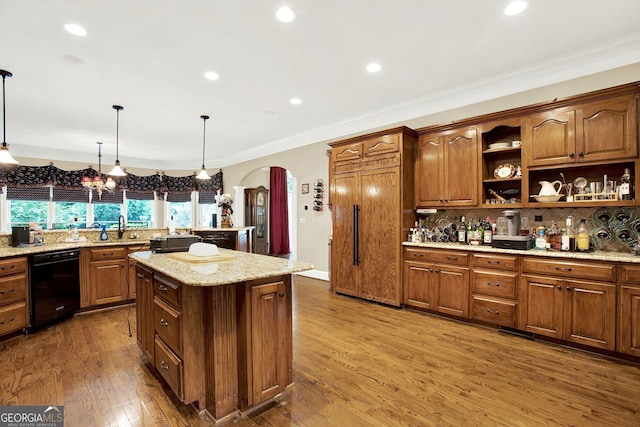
<point x="203" y="173"/>
<point x="5" y="156"/>
<point x="117" y="170"/>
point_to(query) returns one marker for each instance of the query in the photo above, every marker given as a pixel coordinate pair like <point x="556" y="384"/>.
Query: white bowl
<point x="552" y="198"/>
<point x="495" y="145"/>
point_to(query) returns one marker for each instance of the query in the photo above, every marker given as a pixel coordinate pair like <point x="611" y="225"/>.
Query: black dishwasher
<point x="54" y="286"/>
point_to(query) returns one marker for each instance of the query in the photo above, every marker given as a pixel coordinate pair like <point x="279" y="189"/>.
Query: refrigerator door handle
<point x="356" y="232"/>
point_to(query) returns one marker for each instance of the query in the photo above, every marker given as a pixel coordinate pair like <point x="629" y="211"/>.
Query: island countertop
<point x="244" y="266"/>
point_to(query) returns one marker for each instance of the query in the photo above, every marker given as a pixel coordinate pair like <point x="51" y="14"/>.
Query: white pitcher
<point x="549" y="188"/>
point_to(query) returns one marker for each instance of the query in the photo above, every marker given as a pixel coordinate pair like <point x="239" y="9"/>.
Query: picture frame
<point x="305" y="188"/>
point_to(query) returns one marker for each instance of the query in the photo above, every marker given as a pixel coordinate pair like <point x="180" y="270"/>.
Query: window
<point x="67" y="212"/>
<point x="107" y="214"/>
<point x="139" y="213"/>
<point x="23" y="212"/>
<point x="181" y="213"/>
<point x="206" y="212"/>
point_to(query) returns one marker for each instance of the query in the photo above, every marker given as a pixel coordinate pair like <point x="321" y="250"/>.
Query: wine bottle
<point x="462" y="232"/>
<point x="625" y="185"/>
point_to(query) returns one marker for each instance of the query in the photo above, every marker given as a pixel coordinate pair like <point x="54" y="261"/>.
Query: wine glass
<point x="580" y="183"/>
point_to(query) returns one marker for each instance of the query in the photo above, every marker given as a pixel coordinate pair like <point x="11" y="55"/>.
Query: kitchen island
<point x="218" y="332"/>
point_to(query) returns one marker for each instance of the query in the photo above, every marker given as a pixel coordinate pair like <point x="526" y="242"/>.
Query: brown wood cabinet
<point x="494" y="289"/>
<point x="237" y="239"/>
<point x="371" y="210"/>
<point x="14" y="295"/>
<point x="107" y="275"/>
<point x="573" y="301"/>
<point x="257" y="214"/>
<point x="437" y="281"/>
<point x="446" y="169"/>
<point x="131" y="269"/>
<point x="629" y="310"/>
<point x="144" y="310"/>
<point x="603" y="130"/>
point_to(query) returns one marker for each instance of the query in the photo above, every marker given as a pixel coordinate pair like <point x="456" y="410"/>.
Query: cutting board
<point x="187" y="257"/>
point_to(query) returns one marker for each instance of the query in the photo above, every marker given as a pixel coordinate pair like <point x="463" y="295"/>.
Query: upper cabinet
<point x="446" y="169"/>
<point x="602" y="130"/>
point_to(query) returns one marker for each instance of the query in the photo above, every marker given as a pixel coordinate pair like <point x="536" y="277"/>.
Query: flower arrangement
<point x="225" y="201"/>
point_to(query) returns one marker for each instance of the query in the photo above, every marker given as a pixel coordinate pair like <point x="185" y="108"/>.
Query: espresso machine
<point x="513" y="239"/>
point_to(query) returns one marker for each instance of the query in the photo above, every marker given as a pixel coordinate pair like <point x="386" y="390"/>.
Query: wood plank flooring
<point x="355" y="364"/>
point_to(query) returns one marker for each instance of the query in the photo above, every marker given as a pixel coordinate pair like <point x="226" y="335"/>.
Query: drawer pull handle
<point x="497" y="285"/>
<point x="162" y="288"/>
<point x="8" y="291"/>
<point x="139" y="276"/>
<point x="563" y="268"/>
<point x="11" y="267"/>
<point x="2" y="322"/>
<point x="493" y="262"/>
<point x="569" y="288"/>
<point x="164" y="322"/>
<point x="452" y="258"/>
<point x="418" y="254"/>
<point x="107" y="254"/>
<point x="164" y="365"/>
<point x="493" y="311"/>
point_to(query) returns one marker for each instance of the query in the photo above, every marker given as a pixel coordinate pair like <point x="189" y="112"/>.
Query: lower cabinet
<point x="494" y="286"/>
<point x="14" y="307"/>
<point x="629" y="311"/>
<point x="103" y="276"/>
<point x="144" y="310"/>
<point x="432" y="285"/>
<point x="577" y="310"/>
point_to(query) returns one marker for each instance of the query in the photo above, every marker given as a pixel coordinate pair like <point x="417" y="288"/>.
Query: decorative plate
<point x="505" y="171"/>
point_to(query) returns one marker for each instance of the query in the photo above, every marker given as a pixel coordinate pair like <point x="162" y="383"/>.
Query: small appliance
<point x="173" y="242"/>
<point x="19" y="236"/>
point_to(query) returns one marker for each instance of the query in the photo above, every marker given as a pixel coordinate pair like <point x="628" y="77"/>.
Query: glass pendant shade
<point x="203" y="172"/>
<point x="5" y="156"/>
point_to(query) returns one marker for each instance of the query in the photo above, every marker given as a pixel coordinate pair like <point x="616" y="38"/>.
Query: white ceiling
<point x="150" y="56"/>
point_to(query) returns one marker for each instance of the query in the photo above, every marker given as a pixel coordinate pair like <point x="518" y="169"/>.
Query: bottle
<point x="172" y="226"/>
<point x="552" y="235"/>
<point x="582" y="239"/>
<point x="462" y="232"/>
<point x="625" y="185"/>
<point x="103" y="233"/>
<point x="488" y="232"/>
<point x="541" y="238"/>
<point x="469" y="231"/>
<point x="75" y="233"/>
<point x="568" y="239"/>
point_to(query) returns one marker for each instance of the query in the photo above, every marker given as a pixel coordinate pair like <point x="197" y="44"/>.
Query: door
<point x="629" y="326"/>
<point x="344" y="271"/>
<point x="144" y="311"/>
<point x="590" y="313"/>
<point x="429" y="173"/>
<point x="108" y="281"/>
<point x="542" y="301"/>
<point x="461" y="168"/>
<point x="379" y="231"/>
<point x="549" y="138"/>
<point x="453" y="290"/>
<point x="420" y="286"/>
<point x="269" y="340"/>
<point x="607" y="130"/>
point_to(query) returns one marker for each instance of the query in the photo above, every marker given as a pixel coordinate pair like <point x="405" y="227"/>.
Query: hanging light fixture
<point x="203" y="173"/>
<point x="97" y="183"/>
<point x="5" y="156"/>
<point x="117" y="170"/>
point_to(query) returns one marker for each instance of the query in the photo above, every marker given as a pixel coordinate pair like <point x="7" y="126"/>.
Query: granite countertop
<point x="10" y="251"/>
<point x="589" y="256"/>
<point x="248" y="227"/>
<point x="244" y="266"/>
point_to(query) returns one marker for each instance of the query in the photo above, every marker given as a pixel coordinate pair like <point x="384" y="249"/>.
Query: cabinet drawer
<point x="13" y="317"/>
<point x="170" y="367"/>
<point x="630" y="273"/>
<point x="580" y="270"/>
<point x="502" y="262"/>
<point x="167" y="291"/>
<point x="347" y="152"/>
<point x="441" y="257"/>
<point x="167" y="324"/>
<point x="107" y="253"/>
<point x="381" y="145"/>
<point x="495" y="283"/>
<point x="494" y="311"/>
<point x="13" y="288"/>
<point x="13" y="265"/>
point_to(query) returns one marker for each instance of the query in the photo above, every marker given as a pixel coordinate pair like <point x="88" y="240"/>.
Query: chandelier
<point x="97" y="183"/>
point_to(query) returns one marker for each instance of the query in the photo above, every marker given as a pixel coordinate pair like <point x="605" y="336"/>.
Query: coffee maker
<point x="513" y="239"/>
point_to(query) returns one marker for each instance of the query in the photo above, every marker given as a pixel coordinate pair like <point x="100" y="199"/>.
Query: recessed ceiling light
<point x="211" y="75"/>
<point x="295" y="101"/>
<point x="75" y="29"/>
<point x="284" y="14"/>
<point x="515" y="7"/>
<point x="374" y="67"/>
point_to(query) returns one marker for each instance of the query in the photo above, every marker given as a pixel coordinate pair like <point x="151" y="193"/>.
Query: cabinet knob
<point x="572" y="155"/>
<point x="559" y="287"/>
<point x="164" y="322"/>
<point x="164" y="365"/>
<point x="580" y="153"/>
<point x="569" y="288"/>
<point x="139" y="276"/>
<point x="281" y="294"/>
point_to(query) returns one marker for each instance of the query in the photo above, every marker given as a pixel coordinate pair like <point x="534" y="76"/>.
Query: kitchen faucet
<point x="120" y="226"/>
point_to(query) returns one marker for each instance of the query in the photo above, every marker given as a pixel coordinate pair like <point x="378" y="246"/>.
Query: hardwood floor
<point x="355" y="364"/>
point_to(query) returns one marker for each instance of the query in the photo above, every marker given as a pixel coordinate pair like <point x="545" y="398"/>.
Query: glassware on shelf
<point x="568" y="189"/>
